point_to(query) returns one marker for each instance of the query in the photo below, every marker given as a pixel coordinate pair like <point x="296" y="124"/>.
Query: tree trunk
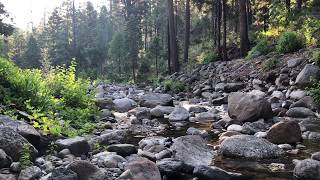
<point x="187" y="32"/>
<point x="218" y="30"/>
<point x="299" y="5"/>
<point x="169" y="49"/>
<point x="244" y="39"/>
<point x="74" y="34"/>
<point x="173" y="38"/>
<point x="288" y="5"/>
<point x="224" y="40"/>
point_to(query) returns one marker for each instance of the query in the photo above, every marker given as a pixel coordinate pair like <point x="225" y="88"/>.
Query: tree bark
<point x="299" y="5"/>
<point x="244" y="39"/>
<point x="288" y="5"/>
<point x="224" y="40"/>
<point x="187" y="32"/>
<point x="173" y="38"/>
<point x="218" y="28"/>
<point x="74" y="34"/>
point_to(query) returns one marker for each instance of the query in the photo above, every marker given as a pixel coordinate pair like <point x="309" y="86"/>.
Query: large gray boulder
<point x="124" y="104"/>
<point x="300" y="112"/>
<point x="307" y="169"/>
<point x="63" y="174"/>
<point x="309" y="73"/>
<point x="151" y="100"/>
<point x="142" y="169"/>
<point x="24" y="129"/>
<point x="171" y="166"/>
<point x="229" y="87"/>
<point x="12" y="143"/>
<point x="160" y="111"/>
<point x="250" y="147"/>
<point x="108" y="160"/>
<point x="179" y="114"/>
<point x="248" y="107"/>
<point x="86" y="171"/>
<point x="212" y="172"/>
<point x="192" y="150"/>
<point x="30" y="173"/>
<point x="77" y="145"/>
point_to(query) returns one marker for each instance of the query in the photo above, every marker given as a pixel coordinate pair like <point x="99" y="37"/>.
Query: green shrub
<point x="262" y="48"/>
<point x="58" y="101"/>
<point x="174" y="86"/>
<point x="316" y="57"/>
<point x="269" y="64"/>
<point x="25" y="157"/>
<point x="314" y="91"/>
<point x="207" y="57"/>
<point x="290" y="42"/>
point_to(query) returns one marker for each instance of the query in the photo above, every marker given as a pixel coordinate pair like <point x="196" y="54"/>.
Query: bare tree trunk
<point x="218" y="47"/>
<point x="224" y="40"/>
<point x="187" y="32"/>
<point x="299" y="5"/>
<point x="173" y="38"/>
<point x="288" y="5"/>
<point x="74" y="27"/>
<point x="169" y="49"/>
<point x="244" y="39"/>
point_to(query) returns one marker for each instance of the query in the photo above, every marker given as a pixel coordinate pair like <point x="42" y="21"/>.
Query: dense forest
<point x="127" y="39"/>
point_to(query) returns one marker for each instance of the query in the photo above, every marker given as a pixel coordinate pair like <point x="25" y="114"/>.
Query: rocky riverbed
<point x="237" y="122"/>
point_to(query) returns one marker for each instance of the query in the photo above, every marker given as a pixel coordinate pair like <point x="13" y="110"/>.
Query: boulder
<point x="285" y="132"/>
<point x="254" y="127"/>
<point x="86" y="171"/>
<point x="300" y="112"/>
<point x="206" y="117"/>
<point x="309" y="73"/>
<point x="104" y="103"/>
<point x="306" y="102"/>
<point x="5" y="160"/>
<point x="143" y="169"/>
<point x="124" y="104"/>
<point x="171" y="167"/>
<point x="30" y="173"/>
<point x="316" y="156"/>
<point x="108" y="160"/>
<point x="247" y="107"/>
<point x="63" y="174"/>
<point x="140" y="113"/>
<point x="195" y="131"/>
<point x="294" y="62"/>
<point x="151" y="100"/>
<point x="212" y="172"/>
<point x="24" y="129"/>
<point x="307" y="169"/>
<point x="229" y="87"/>
<point x="160" y="111"/>
<point x="110" y="137"/>
<point x="12" y="143"/>
<point x="192" y="150"/>
<point x="179" y="114"/>
<point x="123" y="149"/>
<point x="249" y="147"/>
<point x="298" y="94"/>
<point x="77" y="145"/>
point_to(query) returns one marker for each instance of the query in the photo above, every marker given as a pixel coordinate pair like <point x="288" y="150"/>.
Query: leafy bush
<point x="262" y="48"/>
<point x="25" y="157"/>
<point x="207" y="57"/>
<point x="316" y="57"/>
<point x="289" y="42"/>
<point x="314" y="91"/>
<point x="269" y="64"/>
<point x="58" y="102"/>
<point x="174" y="86"/>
